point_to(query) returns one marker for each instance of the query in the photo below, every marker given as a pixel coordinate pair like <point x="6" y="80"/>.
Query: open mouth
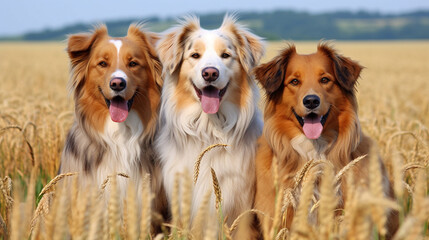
<point x="312" y="124"/>
<point x="210" y="98"/>
<point x="118" y="107"/>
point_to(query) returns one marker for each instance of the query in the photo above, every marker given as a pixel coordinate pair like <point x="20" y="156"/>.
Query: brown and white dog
<point x="209" y="96"/>
<point x="116" y="84"/>
<point x="310" y="114"/>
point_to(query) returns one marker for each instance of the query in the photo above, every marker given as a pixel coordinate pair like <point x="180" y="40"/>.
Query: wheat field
<point x="36" y="111"/>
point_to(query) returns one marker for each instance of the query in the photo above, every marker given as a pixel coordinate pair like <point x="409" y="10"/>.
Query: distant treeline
<point x="281" y="24"/>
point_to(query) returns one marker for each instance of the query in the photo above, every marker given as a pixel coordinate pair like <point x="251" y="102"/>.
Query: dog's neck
<point x="309" y="149"/>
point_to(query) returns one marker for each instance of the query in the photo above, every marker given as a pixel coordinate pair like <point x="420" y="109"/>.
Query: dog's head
<point x="209" y="61"/>
<point x="110" y="73"/>
<point x="310" y="91"/>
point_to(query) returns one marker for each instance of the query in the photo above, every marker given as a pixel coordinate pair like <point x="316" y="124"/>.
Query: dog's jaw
<point x="312" y="124"/>
<point x="210" y="97"/>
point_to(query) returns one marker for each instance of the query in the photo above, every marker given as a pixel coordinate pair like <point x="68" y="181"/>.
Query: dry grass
<point x="36" y="112"/>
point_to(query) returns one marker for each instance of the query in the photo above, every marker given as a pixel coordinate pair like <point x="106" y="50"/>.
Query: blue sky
<point x="20" y="16"/>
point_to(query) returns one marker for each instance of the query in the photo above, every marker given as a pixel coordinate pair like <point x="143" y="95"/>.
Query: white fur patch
<point x="119" y="74"/>
<point x="118" y="45"/>
<point x="309" y="149"/>
<point x="123" y="149"/>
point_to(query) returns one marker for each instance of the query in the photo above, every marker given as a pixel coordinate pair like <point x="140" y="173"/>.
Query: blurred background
<point x="49" y="20"/>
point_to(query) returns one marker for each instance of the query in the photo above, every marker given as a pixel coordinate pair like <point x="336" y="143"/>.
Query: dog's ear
<point x="148" y="40"/>
<point x="171" y="46"/>
<point x="79" y="45"/>
<point x="346" y="70"/>
<point x="79" y="48"/>
<point x="250" y="48"/>
<point x="271" y="74"/>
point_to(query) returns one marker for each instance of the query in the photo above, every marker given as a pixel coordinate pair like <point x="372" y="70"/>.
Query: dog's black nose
<point x="210" y="74"/>
<point x="118" y="84"/>
<point x="311" y="101"/>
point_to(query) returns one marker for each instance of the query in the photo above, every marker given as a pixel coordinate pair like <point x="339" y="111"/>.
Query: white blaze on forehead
<point x="117" y="43"/>
<point x="119" y="74"/>
<point x="211" y="56"/>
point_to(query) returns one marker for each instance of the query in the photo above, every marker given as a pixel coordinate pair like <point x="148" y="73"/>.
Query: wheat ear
<point x="328" y="202"/>
<point x="216" y="188"/>
<point x="300" y="221"/>
<point x="200" y="157"/>
<point x="54" y="181"/>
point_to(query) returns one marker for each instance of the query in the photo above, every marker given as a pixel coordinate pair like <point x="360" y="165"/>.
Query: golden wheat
<point x="36" y="112"/>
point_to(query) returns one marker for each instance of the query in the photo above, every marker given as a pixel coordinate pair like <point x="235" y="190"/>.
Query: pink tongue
<point x="210" y="100"/>
<point x="118" y="110"/>
<point x="312" y="128"/>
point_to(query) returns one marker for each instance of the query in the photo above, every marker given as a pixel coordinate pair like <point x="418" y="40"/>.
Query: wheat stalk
<point x="347" y="167"/>
<point x="186" y="203"/>
<point x="300" y="222"/>
<point x="175" y="207"/>
<point x="82" y="216"/>
<point x="6" y="187"/>
<point x="15" y="233"/>
<point x="113" y="208"/>
<point x="30" y="148"/>
<point x="146" y="208"/>
<point x="54" y="181"/>
<point x="327" y="202"/>
<point x="133" y="227"/>
<point x="106" y="181"/>
<point x="60" y="225"/>
<point x="277" y="213"/>
<point x="376" y="187"/>
<point x="200" y="157"/>
<point x="234" y="224"/>
<point x="216" y="188"/>
<point x="211" y="231"/>
<point x="227" y="233"/>
<point x="412" y="165"/>
<point x="398" y="175"/>
<point x="288" y="200"/>
<point x="282" y="234"/>
<point x="300" y="175"/>
<point x="96" y="222"/>
<point x="198" y="224"/>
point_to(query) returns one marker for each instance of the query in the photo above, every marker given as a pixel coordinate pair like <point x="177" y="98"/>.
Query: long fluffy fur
<point x="186" y="130"/>
<point x="97" y="147"/>
<point x="341" y="141"/>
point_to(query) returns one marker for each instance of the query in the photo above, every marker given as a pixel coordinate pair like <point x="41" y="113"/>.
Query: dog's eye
<point x="324" y="80"/>
<point x="102" y="64"/>
<point x="132" y="64"/>
<point x="294" y="82"/>
<point x="195" y="55"/>
<point x="225" y="55"/>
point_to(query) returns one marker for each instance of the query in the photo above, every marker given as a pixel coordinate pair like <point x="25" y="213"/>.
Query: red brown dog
<point x="310" y="114"/>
